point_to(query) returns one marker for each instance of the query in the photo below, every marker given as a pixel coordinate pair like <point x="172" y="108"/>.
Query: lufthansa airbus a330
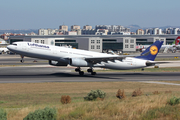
<point x="61" y="56"/>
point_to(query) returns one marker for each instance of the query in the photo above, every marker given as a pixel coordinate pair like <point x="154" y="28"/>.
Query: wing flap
<point x="95" y="60"/>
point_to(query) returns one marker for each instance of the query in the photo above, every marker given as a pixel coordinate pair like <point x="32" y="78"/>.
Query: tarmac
<point x="12" y="71"/>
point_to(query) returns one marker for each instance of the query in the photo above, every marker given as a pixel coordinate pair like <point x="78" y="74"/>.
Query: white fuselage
<point x="61" y="54"/>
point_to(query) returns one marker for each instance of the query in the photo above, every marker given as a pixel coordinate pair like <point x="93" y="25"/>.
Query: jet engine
<point x="78" y="62"/>
<point x="57" y="63"/>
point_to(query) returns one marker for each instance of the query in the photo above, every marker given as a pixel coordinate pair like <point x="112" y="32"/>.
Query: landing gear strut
<point x="91" y="70"/>
<point x="22" y="59"/>
<point x="79" y="70"/>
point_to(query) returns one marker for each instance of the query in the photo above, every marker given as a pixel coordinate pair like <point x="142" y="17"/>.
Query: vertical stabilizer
<point x="151" y="52"/>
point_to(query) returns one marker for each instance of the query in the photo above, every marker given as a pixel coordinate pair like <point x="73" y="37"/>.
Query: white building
<point x="101" y="32"/>
<point x="75" y="27"/>
<point x="47" y="31"/>
<point x="175" y="31"/>
<point x="114" y="29"/>
<point x="157" y="31"/>
<point x="71" y="33"/>
<point x="140" y="32"/>
<point x="42" y="32"/>
<point x="63" y="28"/>
<point x="87" y="27"/>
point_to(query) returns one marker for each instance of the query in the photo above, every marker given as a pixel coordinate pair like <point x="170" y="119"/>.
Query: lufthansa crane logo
<point x="153" y="50"/>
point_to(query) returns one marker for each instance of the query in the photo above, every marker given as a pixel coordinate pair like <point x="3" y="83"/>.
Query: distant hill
<point x="169" y="27"/>
<point x="133" y="28"/>
<point x="19" y="31"/>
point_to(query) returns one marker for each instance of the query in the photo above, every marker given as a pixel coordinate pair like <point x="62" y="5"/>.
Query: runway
<point x="6" y="59"/>
<point x="40" y="71"/>
<point x="15" y="60"/>
<point x="61" y="74"/>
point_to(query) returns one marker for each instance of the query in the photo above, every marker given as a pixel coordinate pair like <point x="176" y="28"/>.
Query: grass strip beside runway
<point x="21" y="98"/>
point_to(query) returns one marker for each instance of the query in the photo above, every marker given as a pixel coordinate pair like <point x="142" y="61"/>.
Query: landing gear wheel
<point x="22" y="61"/>
<point x="81" y="73"/>
<point x="89" y="70"/>
<point x="93" y="73"/>
<point x="77" y="70"/>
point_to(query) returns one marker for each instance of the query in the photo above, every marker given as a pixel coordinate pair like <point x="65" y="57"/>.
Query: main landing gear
<point x="22" y="59"/>
<point x="78" y="69"/>
<point x="91" y="70"/>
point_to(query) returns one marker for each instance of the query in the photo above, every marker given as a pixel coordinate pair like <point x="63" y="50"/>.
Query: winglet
<point x="151" y="52"/>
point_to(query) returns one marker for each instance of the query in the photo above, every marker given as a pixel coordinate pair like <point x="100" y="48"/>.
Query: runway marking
<point x="165" y="83"/>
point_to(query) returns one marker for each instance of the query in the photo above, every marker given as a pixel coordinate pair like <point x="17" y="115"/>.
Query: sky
<point x="36" y="14"/>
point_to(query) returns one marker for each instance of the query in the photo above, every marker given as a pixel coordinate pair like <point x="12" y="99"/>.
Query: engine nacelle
<point x="57" y="63"/>
<point x="78" y="62"/>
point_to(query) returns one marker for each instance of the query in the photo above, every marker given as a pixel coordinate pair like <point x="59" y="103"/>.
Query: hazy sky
<point x="36" y="14"/>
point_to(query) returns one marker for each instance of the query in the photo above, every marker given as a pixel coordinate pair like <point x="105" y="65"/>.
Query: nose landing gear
<point x="22" y="59"/>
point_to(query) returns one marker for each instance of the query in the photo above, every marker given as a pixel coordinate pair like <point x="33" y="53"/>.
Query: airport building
<point x="99" y="43"/>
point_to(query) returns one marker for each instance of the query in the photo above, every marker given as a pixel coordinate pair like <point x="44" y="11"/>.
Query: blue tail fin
<point x="151" y="52"/>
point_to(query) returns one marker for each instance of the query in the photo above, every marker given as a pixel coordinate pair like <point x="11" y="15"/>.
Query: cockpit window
<point x="15" y="44"/>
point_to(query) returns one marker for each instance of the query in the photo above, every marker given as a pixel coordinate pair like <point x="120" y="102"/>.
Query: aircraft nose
<point x="10" y="47"/>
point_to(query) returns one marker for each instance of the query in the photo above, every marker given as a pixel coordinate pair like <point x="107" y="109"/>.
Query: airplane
<point x="173" y="46"/>
<point x="61" y="56"/>
<point x="4" y="50"/>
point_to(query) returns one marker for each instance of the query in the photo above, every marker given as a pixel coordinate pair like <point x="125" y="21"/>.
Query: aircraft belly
<point x="122" y="65"/>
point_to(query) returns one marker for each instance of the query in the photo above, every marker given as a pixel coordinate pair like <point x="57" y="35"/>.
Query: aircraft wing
<point x="95" y="60"/>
